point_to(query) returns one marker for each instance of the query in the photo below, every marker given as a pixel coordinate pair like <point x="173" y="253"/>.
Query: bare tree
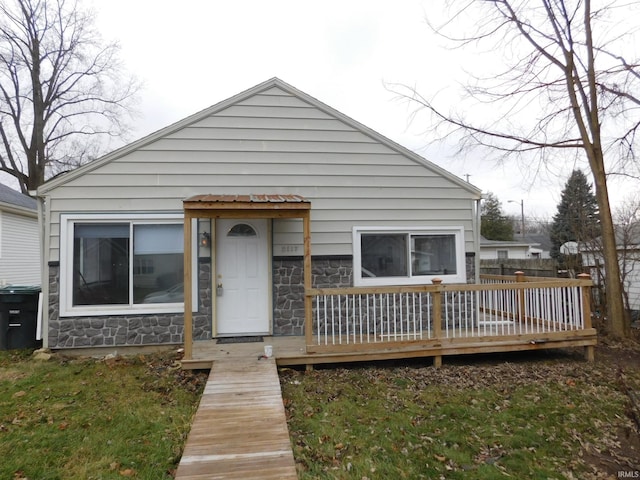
<point x="61" y="90"/>
<point x="567" y="87"/>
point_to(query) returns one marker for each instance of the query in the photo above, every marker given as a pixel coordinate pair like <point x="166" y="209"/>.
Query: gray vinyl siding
<point x="19" y="250"/>
<point x="274" y="142"/>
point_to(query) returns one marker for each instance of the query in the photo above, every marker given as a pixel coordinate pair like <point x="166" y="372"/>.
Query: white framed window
<point x="408" y="256"/>
<point x="122" y="264"/>
<point x="503" y="254"/>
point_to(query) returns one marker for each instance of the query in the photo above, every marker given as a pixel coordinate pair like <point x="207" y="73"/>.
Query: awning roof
<point x="251" y="202"/>
<point x="251" y="198"/>
<point x="247" y="206"/>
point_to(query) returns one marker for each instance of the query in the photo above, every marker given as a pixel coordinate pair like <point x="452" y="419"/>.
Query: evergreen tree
<point x="494" y="224"/>
<point x="577" y="218"/>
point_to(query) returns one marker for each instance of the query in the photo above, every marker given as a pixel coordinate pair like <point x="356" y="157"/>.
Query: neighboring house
<point x="506" y="249"/>
<point x="380" y="215"/>
<point x="628" y="245"/>
<point x="540" y="245"/>
<point x="19" y="239"/>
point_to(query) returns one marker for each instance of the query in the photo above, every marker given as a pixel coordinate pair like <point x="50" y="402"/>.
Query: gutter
<point x="18" y="210"/>
<point x="476" y="240"/>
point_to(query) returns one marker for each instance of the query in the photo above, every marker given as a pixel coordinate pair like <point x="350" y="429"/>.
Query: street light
<point x="521" y="202"/>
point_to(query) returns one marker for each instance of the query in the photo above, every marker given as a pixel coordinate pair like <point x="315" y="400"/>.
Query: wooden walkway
<point x="240" y="429"/>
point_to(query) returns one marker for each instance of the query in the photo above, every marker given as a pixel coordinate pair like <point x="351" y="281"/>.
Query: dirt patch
<point x="10" y="374"/>
<point x="620" y="458"/>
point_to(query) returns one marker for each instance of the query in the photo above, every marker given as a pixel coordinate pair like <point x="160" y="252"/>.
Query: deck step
<point x="240" y="428"/>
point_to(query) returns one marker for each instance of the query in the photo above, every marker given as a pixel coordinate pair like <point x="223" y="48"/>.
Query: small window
<point x="385" y="256"/>
<point x="242" y="230"/>
<point x="503" y="254"/>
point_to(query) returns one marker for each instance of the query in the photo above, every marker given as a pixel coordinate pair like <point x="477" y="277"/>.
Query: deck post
<point x="521" y="304"/>
<point x="589" y="353"/>
<point x="437" y="318"/>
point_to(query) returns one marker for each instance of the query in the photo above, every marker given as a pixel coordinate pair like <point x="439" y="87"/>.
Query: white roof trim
<point x="18" y="210"/>
<point x="273" y="82"/>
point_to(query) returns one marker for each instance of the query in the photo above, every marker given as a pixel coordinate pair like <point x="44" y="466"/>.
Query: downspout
<point x="476" y="239"/>
<point x="43" y="303"/>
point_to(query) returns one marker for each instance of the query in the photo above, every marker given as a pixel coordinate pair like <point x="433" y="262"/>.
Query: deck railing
<point x="498" y="306"/>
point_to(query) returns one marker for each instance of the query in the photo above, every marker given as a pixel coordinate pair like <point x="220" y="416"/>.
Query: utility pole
<point x="521" y="202"/>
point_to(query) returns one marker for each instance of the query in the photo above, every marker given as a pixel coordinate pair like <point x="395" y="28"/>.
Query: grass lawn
<point x="546" y="415"/>
<point x="70" y="418"/>
<point x="534" y="416"/>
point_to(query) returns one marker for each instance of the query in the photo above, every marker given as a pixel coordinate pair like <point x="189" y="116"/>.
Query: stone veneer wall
<point x="327" y="272"/>
<point x="288" y="288"/>
<point x="126" y="330"/>
<point x="470" y="261"/>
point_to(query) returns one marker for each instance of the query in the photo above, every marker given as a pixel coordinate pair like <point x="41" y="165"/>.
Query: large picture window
<point x="122" y="264"/>
<point x="389" y="256"/>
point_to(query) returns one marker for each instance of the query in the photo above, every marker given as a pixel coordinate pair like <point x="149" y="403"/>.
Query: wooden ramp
<point x="240" y="429"/>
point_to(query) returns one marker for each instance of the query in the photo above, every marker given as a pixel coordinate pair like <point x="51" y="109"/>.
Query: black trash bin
<point x="18" y="317"/>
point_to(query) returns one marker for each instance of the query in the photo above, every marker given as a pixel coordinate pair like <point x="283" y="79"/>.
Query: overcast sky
<point x="192" y="54"/>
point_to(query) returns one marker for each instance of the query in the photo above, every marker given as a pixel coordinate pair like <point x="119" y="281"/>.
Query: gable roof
<point x="484" y="242"/>
<point x="271" y="83"/>
<point x="541" y="239"/>
<point x="12" y="199"/>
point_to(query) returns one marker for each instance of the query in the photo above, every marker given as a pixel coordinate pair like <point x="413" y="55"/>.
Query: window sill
<point x="128" y="310"/>
<point x="401" y="281"/>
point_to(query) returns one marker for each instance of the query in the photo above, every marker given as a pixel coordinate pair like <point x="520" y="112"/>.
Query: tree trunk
<point x="616" y="322"/>
<point x="36" y="152"/>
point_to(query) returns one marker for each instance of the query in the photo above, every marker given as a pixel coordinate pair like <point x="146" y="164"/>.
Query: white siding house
<point x="380" y="215"/>
<point x="632" y="280"/>
<point x="505" y="249"/>
<point x="19" y="240"/>
<point x="628" y="247"/>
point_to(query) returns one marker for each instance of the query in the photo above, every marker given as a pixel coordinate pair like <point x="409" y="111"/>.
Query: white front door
<point x="242" y="264"/>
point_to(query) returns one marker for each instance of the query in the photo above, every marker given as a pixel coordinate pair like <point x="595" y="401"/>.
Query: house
<point x="243" y="190"/>
<point x="19" y="239"/>
<point x="508" y="249"/>
<point x="540" y="245"/>
<point x="530" y="246"/>
<point x="628" y="247"/>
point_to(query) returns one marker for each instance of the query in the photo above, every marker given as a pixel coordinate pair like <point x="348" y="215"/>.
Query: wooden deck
<point x="291" y="350"/>
<point x="240" y="429"/>
<point x="506" y="313"/>
<point x="286" y="351"/>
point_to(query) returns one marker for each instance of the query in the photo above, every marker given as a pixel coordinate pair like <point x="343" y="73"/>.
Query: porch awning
<point x="243" y="206"/>
<point x="253" y="205"/>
